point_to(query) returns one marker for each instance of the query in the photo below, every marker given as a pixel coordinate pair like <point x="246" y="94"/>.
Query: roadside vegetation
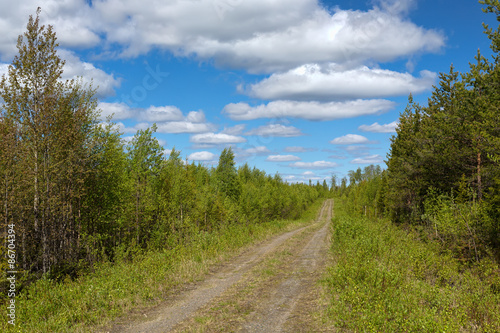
<point x="101" y="224"/>
<point x="389" y="278"/>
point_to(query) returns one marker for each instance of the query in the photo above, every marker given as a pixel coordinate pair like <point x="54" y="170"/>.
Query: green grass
<point x="116" y="288"/>
<point x="385" y="279"/>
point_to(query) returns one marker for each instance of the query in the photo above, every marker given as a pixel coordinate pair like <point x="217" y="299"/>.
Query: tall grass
<point x="385" y="279"/>
<point x="115" y="288"/>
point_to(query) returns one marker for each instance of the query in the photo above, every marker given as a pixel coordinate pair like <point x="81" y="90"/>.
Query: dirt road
<point x="271" y="288"/>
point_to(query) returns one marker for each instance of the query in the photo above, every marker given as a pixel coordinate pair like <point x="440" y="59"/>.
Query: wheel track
<point x="185" y="305"/>
<point x="271" y="317"/>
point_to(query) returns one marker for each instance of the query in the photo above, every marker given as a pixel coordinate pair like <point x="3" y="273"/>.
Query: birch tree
<point x="49" y="123"/>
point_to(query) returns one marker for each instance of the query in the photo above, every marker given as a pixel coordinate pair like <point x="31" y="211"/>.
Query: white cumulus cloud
<point x="118" y="111"/>
<point x="249" y="152"/>
<point x="216" y="138"/>
<point x="350" y="139"/>
<point x="314" y="82"/>
<point x="176" y="127"/>
<point x="282" y="158"/>
<point x="202" y="156"/>
<point x="264" y="36"/>
<point x="312" y="110"/>
<point x="260" y="150"/>
<point x="371" y="159"/>
<point x="297" y="149"/>
<point x="275" y="130"/>
<point x="74" y="67"/>
<point x="161" y="113"/>
<point x="169" y="119"/>
<point x="377" y="128"/>
<point x="234" y="130"/>
<point x="314" y="165"/>
<point x="346" y="36"/>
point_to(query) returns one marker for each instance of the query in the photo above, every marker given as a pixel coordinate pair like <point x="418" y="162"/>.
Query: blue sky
<point x="305" y="88"/>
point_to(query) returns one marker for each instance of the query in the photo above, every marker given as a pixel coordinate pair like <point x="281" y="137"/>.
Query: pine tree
<point x="404" y="165"/>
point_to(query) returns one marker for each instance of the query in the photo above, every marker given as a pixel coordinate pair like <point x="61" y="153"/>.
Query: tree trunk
<point x="137" y="216"/>
<point x="479" y="186"/>
<point x="35" y="200"/>
<point x="44" y="248"/>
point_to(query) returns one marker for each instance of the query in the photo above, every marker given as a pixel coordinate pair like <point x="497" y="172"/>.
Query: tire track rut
<point x="269" y="316"/>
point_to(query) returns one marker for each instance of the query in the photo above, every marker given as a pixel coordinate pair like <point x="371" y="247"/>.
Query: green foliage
<point x="386" y="279"/>
<point x="443" y="168"/>
<point x="364" y="190"/>
<point x="461" y="226"/>
<point x="107" y="189"/>
<point x="48" y="126"/>
<point x="492" y="6"/>
<point x="405" y="165"/>
<point x="145" y="156"/>
<point x="227" y="176"/>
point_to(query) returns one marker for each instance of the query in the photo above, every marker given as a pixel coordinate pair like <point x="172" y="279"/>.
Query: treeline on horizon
<point x="77" y="193"/>
<point x="443" y="168"/>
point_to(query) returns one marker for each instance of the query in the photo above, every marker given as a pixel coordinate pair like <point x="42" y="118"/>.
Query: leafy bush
<point x="385" y="279"/>
<point x="462" y="227"/>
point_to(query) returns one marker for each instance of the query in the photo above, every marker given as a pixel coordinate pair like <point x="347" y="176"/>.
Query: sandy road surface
<point x="281" y="301"/>
<point x="271" y="316"/>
